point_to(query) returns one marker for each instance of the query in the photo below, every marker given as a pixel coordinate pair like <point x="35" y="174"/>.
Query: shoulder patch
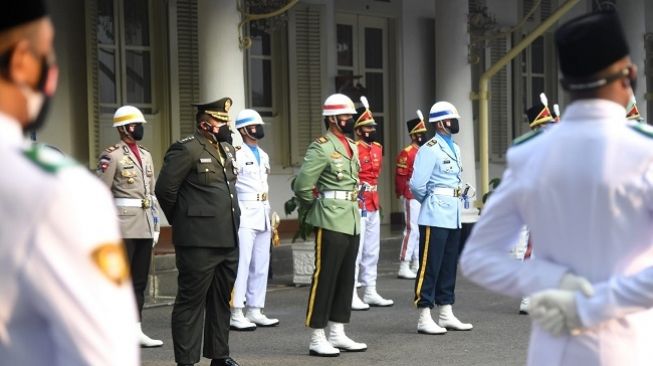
<point x="321" y="140"/>
<point x="432" y="142"/>
<point x="642" y="128"/>
<point x="186" y="139"/>
<point x="525" y="137"/>
<point x="48" y="158"/>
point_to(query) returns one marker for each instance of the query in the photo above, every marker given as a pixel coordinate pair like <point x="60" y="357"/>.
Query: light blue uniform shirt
<point x="436" y="165"/>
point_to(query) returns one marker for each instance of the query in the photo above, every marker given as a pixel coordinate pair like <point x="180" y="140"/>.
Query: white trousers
<point x="252" y="278"/>
<point x="368" y="249"/>
<point x="410" y="243"/>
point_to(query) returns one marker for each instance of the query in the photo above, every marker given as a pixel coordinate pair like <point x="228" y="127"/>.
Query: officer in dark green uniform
<point x="331" y="166"/>
<point x="196" y="190"/>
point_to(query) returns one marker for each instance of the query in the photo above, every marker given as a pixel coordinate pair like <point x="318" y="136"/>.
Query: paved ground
<point x="499" y="337"/>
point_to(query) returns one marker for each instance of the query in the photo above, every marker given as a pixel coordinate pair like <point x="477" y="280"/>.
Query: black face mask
<point x="420" y="139"/>
<point x="369" y="137"/>
<point x="138" y="133"/>
<point x="452" y="126"/>
<point x="258" y="134"/>
<point x="348" y="127"/>
<point x="223" y="134"/>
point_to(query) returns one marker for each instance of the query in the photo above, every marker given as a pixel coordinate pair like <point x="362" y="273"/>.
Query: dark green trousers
<point x="206" y="278"/>
<point x="333" y="278"/>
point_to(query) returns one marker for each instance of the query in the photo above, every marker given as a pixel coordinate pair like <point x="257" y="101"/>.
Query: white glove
<point x="571" y="282"/>
<point x="155" y="238"/>
<point x="555" y="311"/>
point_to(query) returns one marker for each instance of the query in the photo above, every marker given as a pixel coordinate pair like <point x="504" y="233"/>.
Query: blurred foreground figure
<point x="585" y="190"/>
<point x="65" y="294"/>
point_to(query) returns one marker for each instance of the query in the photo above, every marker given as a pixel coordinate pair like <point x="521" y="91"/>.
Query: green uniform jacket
<point x="197" y="193"/>
<point x="328" y="168"/>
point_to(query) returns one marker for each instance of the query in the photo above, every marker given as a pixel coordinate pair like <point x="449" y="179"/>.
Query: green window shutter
<point x="187" y="64"/>
<point x="500" y="111"/>
<point x="93" y="101"/>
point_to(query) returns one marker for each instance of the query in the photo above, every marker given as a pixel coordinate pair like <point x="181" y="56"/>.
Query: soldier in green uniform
<point x="196" y="191"/>
<point x="330" y="169"/>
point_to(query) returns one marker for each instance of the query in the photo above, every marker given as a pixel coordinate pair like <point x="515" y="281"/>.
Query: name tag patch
<point x="205" y="160"/>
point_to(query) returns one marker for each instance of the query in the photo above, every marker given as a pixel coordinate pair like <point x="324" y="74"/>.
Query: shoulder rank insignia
<point x="125" y="149"/>
<point x="642" y="128"/>
<point x="321" y="140"/>
<point x="525" y="137"/>
<point x="112" y="148"/>
<point x="377" y="144"/>
<point x="110" y="259"/>
<point x="47" y="158"/>
<point x="186" y="139"/>
<point x="432" y="142"/>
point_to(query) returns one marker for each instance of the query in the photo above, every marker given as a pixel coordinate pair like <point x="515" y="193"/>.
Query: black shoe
<point x="224" y="362"/>
<point x="185" y="364"/>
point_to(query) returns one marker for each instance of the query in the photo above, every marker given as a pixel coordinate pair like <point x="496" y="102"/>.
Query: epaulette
<point x="321" y="140"/>
<point x="432" y="142"/>
<point x="407" y="148"/>
<point x="143" y="147"/>
<point x="642" y="128"/>
<point x="350" y="140"/>
<point x="377" y="144"/>
<point x="525" y="137"/>
<point x="357" y="142"/>
<point x="112" y="148"/>
<point x="47" y="158"/>
<point x="186" y="139"/>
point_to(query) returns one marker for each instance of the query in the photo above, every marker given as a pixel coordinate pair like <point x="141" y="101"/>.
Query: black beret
<point x="590" y="43"/>
<point x="218" y="109"/>
<point x="15" y="13"/>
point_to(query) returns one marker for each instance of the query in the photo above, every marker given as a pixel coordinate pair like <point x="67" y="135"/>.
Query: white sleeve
<point x="485" y="259"/>
<point x="89" y="304"/>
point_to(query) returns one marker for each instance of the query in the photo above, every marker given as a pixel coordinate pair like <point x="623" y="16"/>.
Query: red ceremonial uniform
<point x="404" y="171"/>
<point x="370" y="156"/>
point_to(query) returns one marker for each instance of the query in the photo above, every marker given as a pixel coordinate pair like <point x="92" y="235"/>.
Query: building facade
<point x="163" y="55"/>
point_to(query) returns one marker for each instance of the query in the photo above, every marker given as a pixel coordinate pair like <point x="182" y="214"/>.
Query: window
<point x="124" y="55"/>
<point x="260" y="70"/>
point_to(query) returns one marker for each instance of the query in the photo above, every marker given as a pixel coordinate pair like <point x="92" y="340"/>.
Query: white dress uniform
<point x="585" y="190"/>
<point x="65" y="296"/>
<point x="255" y="232"/>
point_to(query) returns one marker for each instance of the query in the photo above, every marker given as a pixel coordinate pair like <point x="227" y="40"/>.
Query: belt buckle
<point x="262" y="196"/>
<point x="145" y="203"/>
<point x="456" y="192"/>
<point x="353" y="196"/>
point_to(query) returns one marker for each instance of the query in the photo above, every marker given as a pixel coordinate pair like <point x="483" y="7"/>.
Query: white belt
<point x="453" y="192"/>
<point x="253" y="196"/>
<point x="340" y="195"/>
<point x="133" y="202"/>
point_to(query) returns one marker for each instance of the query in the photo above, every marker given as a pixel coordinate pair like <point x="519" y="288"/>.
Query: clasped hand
<point x="555" y="310"/>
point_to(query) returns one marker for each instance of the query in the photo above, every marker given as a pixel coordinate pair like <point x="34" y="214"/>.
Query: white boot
<point x="239" y="322"/>
<point x="405" y="272"/>
<point x="339" y="339"/>
<point x="372" y="298"/>
<point x="357" y="303"/>
<point x="320" y="346"/>
<point x="414" y="265"/>
<point x="449" y="321"/>
<point x="523" y="306"/>
<point x="255" y="316"/>
<point x="146" y="341"/>
<point x="426" y="325"/>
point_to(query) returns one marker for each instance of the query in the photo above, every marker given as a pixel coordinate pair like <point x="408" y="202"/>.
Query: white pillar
<point x="633" y="18"/>
<point x="221" y="60"/>
<point x="453" y="77"/>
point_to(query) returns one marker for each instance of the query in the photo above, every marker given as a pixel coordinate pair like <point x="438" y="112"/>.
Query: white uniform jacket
<point x="252" y="188"/>
<point x="436" y="166"/>
<point x="65" y="294"/>
<point x="585" y="190"/>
